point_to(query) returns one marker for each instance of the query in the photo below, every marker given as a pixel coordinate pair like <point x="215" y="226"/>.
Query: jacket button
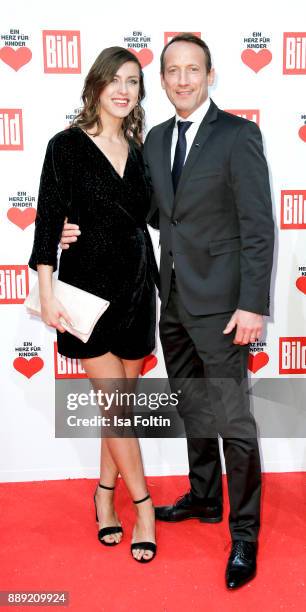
<point x="174" y="222"/>
<point x="170" y="253"/>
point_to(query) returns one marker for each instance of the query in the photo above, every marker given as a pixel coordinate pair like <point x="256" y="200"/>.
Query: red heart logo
<point x="15" y="58"/>
<point x="149" y="363"/>
<point x="20" y="217"/>
<point x="302" y="133"/>
<point x="145" y="56"/>
<point x="256" y="60"/>
<point x="301" y="284"/>
<point x="257" y="361"/>
<point x="28" y="367"/>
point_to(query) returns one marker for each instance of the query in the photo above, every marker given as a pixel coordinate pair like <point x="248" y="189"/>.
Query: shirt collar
<point x="198" y="115"/>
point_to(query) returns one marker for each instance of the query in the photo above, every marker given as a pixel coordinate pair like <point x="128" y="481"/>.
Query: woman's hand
<point x="52" y="311"/>
<point x="51" y="308"/>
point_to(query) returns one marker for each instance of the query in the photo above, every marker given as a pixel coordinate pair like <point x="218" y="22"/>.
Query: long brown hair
<point x="101" y="74"/>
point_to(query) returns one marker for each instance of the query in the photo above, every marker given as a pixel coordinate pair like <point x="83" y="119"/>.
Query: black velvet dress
<point x="113" y="257"/>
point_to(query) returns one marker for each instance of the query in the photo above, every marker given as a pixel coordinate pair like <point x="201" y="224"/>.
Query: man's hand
<point x="248" y="326"/>
<point x="70" y="234"/>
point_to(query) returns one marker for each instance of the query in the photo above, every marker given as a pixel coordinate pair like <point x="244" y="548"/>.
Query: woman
<point x="93" y="174"/>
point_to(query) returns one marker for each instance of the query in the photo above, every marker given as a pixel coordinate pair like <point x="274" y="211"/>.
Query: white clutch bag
<point x="84" y="308"/>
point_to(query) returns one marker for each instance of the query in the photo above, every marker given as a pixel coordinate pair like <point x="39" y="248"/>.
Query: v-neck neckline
<point x="105" y="156"/>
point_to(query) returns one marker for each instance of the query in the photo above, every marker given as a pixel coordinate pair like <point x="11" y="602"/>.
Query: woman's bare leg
<point x="122" y="455"/>
<point x="105" y="366"/>
<point x="104" y="497"/>
<point x="144" y="530"/>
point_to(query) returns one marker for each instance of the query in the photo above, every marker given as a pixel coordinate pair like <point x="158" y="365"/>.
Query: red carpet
<point x="48" y="542"/>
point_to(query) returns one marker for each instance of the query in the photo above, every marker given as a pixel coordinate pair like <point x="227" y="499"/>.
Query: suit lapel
<point x="205" y="129"/>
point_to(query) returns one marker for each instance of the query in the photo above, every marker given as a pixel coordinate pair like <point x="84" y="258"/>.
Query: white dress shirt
<point x="196" y="117"/>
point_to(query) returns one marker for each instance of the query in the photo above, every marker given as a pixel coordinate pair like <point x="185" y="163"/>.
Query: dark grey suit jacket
<point x="218" y="228"/>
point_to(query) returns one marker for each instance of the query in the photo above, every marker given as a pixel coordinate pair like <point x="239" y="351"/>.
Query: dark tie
<point x="180" y="152"/>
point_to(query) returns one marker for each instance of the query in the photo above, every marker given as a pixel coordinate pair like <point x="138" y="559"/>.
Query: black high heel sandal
<point x="106" y="530"/>
<point x="143" y="545"/>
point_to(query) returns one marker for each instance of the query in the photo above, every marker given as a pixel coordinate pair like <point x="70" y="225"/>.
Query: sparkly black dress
<point x="113" y="257"/>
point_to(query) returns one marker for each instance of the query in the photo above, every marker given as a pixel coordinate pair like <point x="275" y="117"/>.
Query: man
<point x="211" y="190"/>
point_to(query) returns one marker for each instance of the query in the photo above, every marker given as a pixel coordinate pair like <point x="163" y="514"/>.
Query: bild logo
<point x="67" y="367"/>
<point x="62" y="51"/>
<point x="14" y="284"/>
<point x="292" y="355"/>
<point x="11" y="133"/>
<point x="293" y="209"/>
<point x="169" y="35"/>
<point x="294" y="53"/>
<point x="246" y="113"/>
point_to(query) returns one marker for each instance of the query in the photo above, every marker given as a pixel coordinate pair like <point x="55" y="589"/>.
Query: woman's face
<point x="121" y="95"/>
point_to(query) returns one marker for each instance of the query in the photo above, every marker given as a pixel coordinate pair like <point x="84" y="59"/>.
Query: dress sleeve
<point x="53" y="203"/>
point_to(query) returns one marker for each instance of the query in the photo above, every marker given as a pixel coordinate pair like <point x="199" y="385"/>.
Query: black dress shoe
<point x="187" y="508"/>
<point x="241" y="565"/>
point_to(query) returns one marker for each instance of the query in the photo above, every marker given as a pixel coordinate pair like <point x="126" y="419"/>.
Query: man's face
<point x="185" y="77"/>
